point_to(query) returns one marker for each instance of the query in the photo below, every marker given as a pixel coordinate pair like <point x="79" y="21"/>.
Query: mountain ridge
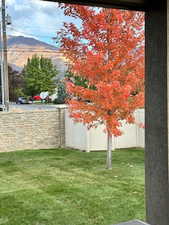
<point x="20" y="48"/>
<point x="19" y="40"/>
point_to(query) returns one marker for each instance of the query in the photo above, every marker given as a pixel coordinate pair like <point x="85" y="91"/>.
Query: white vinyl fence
<point x="79" y="137"/>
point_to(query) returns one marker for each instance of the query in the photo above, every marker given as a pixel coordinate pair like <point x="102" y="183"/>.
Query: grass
<point x="66" y="187"/>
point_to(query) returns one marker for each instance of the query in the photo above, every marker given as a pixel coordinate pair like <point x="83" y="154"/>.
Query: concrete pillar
<point x="156" y="111"/>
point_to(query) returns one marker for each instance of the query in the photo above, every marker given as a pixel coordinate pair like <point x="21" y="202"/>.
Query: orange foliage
<point x="108" y="51"/>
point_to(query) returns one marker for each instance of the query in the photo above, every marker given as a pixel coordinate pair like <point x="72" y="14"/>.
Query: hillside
<point x="21" y="40"/>
<point x="21" y="48"/>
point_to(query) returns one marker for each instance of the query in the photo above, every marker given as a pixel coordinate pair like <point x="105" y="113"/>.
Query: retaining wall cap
<point x="30" y="111"/>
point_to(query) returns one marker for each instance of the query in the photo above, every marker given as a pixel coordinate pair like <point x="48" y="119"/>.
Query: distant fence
<point x="41" y="129"/>
<point x="79" y="137"/>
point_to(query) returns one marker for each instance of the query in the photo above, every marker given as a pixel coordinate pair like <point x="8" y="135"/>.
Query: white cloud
<point x="36" y="18"/>
<point x="19" y="7"/>
<point x="20" y="33"/>
<point x="33" y="18"/>
<point x="10" y="2"/>
<point x="42" y="4"/>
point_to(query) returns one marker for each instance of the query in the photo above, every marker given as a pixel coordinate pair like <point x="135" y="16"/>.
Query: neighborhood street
<point x="24" y="107"/>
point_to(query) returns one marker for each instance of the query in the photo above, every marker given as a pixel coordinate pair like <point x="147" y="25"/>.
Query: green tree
<point x="16" y="84"/>
<point x="61" y="92"/>
<point x="39" y="75"/>
<point x="77" y="80"/>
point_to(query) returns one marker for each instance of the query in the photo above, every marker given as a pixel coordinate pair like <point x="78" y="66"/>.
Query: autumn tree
<point x="107" y="51"/>
<point x="39" y="75"/>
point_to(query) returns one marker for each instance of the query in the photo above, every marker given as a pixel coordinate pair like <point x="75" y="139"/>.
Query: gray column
<point x="156" y="121"/>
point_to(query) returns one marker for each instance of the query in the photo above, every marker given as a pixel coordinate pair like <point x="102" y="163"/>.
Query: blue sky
<point x="35" y="18"/>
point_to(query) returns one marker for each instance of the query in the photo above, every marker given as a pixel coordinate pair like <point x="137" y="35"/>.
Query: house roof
<point x="124" y="4"/>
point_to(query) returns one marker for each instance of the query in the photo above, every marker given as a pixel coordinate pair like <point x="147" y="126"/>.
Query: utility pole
<point x="4" y="62"/>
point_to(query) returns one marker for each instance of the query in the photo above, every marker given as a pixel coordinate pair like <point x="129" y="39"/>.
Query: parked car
<point x="22" y="100"/>
<point x="37" y="98"/>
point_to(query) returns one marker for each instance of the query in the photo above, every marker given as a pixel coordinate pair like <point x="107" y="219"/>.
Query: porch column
<point x="156" y="110"/>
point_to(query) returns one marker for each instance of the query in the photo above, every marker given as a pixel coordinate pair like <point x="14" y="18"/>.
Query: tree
<point x="39" y="75"/>
<point x="77" y="80"/>
<point x="16" y="84"/>
<point x="61" y="93"/>
<point x="108" y="52"/>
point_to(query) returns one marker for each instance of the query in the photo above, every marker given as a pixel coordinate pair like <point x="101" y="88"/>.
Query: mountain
<point x="21" y="48"/>
<point x="21" y="40"/>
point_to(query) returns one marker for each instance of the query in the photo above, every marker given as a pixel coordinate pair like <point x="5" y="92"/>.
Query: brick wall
<point x="32" y="130"/>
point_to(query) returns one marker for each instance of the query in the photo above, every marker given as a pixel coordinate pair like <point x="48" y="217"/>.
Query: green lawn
<point x="65" y="187"/>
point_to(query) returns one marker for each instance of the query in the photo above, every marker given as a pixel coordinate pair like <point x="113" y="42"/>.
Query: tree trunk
<point x="109" y="151"/>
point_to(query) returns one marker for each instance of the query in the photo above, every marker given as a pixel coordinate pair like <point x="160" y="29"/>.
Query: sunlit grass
<point x="66" y="187"/>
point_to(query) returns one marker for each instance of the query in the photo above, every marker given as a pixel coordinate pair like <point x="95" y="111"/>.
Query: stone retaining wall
<point x="32" y="129"/>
